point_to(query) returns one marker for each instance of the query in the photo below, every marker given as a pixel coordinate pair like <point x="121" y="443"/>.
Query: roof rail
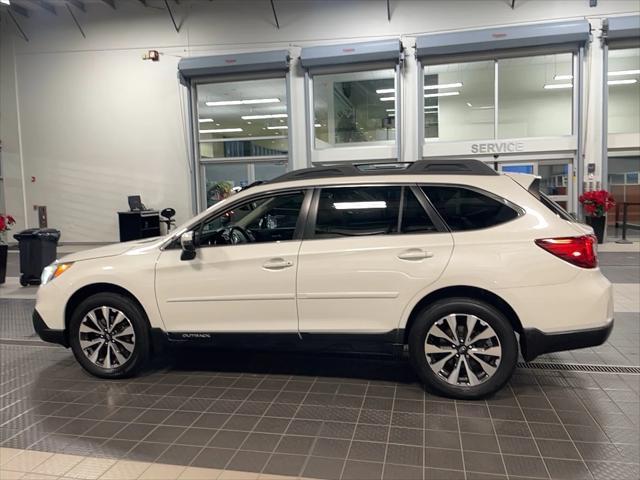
<point x="420" y="167"/>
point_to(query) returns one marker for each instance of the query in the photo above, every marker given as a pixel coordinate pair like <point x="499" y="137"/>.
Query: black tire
<point x="137" y="319"/>
<point x="489" y="315"/>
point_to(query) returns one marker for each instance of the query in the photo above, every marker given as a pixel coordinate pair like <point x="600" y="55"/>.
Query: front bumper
<point x="534" y="342"/>
<point x="47" y="334"/>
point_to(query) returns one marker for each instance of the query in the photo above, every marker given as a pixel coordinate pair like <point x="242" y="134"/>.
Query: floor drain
<point x="579" y="367"/>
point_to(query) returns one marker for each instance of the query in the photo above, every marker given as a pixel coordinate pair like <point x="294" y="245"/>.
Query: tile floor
<point x="248" y="415"/>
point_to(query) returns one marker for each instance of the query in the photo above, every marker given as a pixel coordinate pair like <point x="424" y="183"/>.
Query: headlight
<point x="53" y="271"/>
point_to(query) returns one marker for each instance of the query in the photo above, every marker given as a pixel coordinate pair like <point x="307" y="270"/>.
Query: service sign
<point x="497" y="147"/>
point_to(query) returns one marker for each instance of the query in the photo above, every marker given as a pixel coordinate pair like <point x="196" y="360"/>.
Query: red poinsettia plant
<point x="597" y="202"/>
<point x="6" y="221"/>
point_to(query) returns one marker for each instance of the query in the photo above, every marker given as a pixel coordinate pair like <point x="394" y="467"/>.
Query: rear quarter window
<point x="467" y="209"/>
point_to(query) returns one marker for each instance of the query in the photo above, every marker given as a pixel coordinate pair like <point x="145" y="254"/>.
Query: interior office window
<point x="465" y="209"/>
<point x="267" y="219"/>
<point x="623" y="79"/>
<point x="266" y="171"/>
<point x="354" y="107"/>
<point x="459" y="101"/>
<point x="221" y="179"/>
<point x="535" y="96"/>
<point x="414" y="217"/>
<point x="246" y="118"/>
<point x="357" y="211"/>
<point x="624" y="185"/>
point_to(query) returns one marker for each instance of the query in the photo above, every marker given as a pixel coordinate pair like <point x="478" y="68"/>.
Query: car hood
<point x="113" y="250"/>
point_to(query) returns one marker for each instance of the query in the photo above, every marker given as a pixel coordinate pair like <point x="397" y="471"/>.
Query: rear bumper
<point x="534" y="342"/>
<point x="48" y="334"/>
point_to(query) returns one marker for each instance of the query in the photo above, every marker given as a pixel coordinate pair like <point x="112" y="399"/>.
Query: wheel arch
<point x="85" y="292"/>
<point x="464" y="291"/>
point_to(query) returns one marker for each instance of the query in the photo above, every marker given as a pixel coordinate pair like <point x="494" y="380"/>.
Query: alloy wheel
<point x="107" y="337"/>
<point x="463" y="350"/>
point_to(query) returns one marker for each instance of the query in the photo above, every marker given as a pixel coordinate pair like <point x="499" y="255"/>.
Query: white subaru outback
<point x="446" y="259"/>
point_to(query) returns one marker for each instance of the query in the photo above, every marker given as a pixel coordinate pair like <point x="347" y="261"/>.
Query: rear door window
<point x="414" y="217"/>
<point x="468" y="209"/>
<point x="357" y="211"/>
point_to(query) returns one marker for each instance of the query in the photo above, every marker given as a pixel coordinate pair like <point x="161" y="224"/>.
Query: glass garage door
<point x="554" y="175"/>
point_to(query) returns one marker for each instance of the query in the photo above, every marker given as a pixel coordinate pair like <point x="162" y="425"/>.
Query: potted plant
<point x="596" y="204"/>
<point x="5" y="225"/>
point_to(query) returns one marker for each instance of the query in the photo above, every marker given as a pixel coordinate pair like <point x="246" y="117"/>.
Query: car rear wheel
<point x="463" y="348"/>
<point x="109" y="336"/>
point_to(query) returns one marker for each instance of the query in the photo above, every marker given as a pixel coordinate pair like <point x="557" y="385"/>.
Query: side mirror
<point x="188" y="246"/>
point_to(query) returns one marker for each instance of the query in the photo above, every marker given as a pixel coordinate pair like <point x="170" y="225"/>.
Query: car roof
<point x="363" y="170"/>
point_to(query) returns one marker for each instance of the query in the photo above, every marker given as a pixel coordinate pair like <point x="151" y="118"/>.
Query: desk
<point x="141" y="224"/>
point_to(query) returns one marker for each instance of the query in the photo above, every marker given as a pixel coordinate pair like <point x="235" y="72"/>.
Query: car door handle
<point x="415" y="254"/>
<point x="277" y="264"/>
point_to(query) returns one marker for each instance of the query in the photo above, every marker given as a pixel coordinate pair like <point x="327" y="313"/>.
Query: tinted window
<point x="266" y="219"/>
<point x="349" y="211"/>
<point x="414" y="217"/>
<point x="465" y="209"/>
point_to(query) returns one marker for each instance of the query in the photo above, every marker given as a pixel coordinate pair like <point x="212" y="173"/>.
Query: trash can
<point x="38" y="248"/>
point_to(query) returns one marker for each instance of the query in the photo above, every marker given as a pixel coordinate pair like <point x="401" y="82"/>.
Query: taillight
<point x="579" y="251"/>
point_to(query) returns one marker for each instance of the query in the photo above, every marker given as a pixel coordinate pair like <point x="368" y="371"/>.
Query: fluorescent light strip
<point x="223" y="103"/>
<point x="386" y="90"/>
<point x="359" y="205"/>
<point x="317" y="125"/>
<point x="443" y="85"/>
<point x="563" y="77"/>
<point x="5" y="2"/>
<point x="622" y="82"/>
<point x="205" y="120"/>
<point x="432" y="107"/>
<point x="391" y="110"/>
<point x="222" y="130"/>
<point x="261" y="117"/>
<point x="441" y="94"/>
<point x="387" y="99"/>
<point x="277" y="127"/>
<point x="624" y="72"/>
<point x="556" y="86"/>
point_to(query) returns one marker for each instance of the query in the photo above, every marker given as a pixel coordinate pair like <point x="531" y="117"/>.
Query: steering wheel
<point x="235" y="235"/>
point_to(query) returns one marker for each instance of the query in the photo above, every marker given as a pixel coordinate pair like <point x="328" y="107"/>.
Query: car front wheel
<point x="109" y="336"/>
<point x="463" y="348"/>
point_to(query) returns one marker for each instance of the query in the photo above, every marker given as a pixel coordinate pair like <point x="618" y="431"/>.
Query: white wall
<point x="97" y="123"/>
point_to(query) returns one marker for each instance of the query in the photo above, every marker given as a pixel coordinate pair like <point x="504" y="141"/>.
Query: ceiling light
<point x="205" y="120"/>
<point x="390" y="109"/>
<point x="624" y="72"/>
<point x="387" y="99"/>
<point x="628" y="81"/>
<point x="242" y="102"/>
<point x="277" y="127"/>
<point x="555" y="86"/>
<point x="386" y="90"/>
<point x="469" y="105"/>
<point x="443" y="85"/>
<point x="441" y="94"/>
<point x="5" y="2"/>
<point x="563" y="77"/>
<point x="222" y="130"/>
<point x="261" y="117"/>
<point x="317" y="125"/>
<point x="432" y="107"/>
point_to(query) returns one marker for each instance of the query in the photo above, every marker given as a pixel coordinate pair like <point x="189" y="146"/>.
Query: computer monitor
<point x="135" y="203"/>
